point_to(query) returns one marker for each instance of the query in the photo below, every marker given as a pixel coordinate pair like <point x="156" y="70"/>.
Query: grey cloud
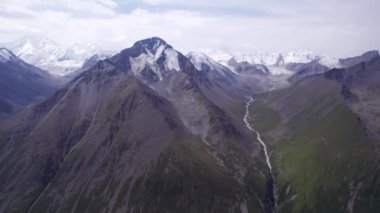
<point x="337" y="28"/>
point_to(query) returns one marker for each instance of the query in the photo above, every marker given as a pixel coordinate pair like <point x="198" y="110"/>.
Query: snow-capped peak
<point x="152" y="45"/>
<point x="279" y="59"/>
<point x="172" y="62"/>
<point x="36" y="51"/>
<point x="299" y="57"/>
<point x="47" y="54"/>
<point x="277" y="63"/>
<point x="155" y="54"/>
<point x="283" y="58"/>
<point x="198" y="59"/>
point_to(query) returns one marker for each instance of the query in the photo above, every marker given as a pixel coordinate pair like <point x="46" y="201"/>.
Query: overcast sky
<point x="334" y="27"/>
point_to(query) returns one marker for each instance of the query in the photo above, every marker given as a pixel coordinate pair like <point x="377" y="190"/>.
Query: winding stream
<point x="267" y="157"/>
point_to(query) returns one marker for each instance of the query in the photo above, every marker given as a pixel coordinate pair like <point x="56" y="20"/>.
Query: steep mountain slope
<point x="361" y="89"/>
<point x="21" y="83"/>
<point x="224" y="86"/>
<point x="137" y="133"/>
<point x="324" y="152"/>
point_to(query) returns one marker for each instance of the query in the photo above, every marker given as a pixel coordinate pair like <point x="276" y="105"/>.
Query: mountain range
<point x="56" y="59"/>
<point x="150" y="129"/>
<point x="62" y="61"/>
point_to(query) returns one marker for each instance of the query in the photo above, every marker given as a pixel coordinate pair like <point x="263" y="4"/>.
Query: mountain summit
<point x="152" y="44"/>
<point x="141" y="131"/>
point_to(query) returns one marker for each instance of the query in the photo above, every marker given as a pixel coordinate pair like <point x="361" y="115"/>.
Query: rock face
<point x="360" y="85"/>
<point x="21" y="83"/>
<point x="133" y="135"/>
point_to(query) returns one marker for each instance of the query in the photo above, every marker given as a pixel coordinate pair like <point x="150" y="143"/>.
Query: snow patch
<point x="197" y="59"/>
<point x="172" y="62"/>
<point x="220" y="56"/>
<point x="299" y="57"/>
<point x="139" y="63"/>
<point x="330" y="62"/>
<point x="159" y="52"/>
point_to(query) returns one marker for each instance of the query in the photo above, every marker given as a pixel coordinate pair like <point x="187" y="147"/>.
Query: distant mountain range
<point x="150" y="129"/>
<point x="50" y="56"/>
<point x="57" y="60"/>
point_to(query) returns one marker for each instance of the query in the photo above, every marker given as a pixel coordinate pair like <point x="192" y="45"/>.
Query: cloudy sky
<point x="335" y="27"/>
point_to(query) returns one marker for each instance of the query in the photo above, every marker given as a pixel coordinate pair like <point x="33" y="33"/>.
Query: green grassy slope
<point x="324" y="161"/>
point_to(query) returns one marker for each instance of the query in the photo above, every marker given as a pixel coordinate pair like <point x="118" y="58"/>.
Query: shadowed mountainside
<point x="124" y="137"/>
<point x="21" y="84"/>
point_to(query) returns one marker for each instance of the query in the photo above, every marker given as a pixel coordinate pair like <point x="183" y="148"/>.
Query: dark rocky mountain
<point x="133" y="135"/>
<point x="349" y="62"/>
<point x="361" y="88"/>
<point x="21" y="84"/>
<point x="362" y="74"/>
<point x="302" y="70"/>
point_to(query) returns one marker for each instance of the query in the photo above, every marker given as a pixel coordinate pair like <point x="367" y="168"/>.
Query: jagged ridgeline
<point x="152" y="130"/>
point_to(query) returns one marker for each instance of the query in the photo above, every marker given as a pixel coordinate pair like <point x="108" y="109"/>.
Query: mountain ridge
<point x="22" y="84"/>
<point x="108" y="116"/>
